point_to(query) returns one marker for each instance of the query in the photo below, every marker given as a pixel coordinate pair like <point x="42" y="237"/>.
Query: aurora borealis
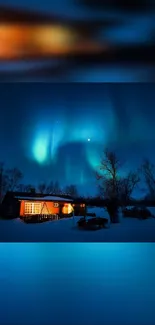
<point x="44" y="131"/>
<point x="55" y="131"/>
<point x="58" y="131"/>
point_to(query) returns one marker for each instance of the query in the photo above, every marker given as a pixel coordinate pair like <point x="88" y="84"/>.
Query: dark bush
<point x="137" y="212"/>
<point x="91" y="214"/>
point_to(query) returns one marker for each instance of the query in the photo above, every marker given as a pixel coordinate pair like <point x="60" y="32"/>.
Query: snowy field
<point x="77" y="284"/>
<point x="66" y="230"/>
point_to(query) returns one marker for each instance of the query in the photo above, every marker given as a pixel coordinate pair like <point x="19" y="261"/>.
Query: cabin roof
<point x="36" y="196"/>
<point x="44" y="198"/>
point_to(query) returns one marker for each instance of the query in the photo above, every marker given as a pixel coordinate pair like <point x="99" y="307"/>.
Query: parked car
<point x="137" y="212"/>
<point x="93" y="223"/>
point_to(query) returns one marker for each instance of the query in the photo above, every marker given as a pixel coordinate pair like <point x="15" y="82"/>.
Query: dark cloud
<point x="121" y="54"/>
<point x="119" y="5"/>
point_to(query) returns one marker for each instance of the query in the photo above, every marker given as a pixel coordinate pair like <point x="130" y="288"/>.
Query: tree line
<point x="11" y="179"/>
<point x="111" y="183"/>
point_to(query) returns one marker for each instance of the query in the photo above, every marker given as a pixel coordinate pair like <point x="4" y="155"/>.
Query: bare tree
<point x="71" y="190"/>
<point x="21" y="188"/>
<point x="13" y="177"/>
<point x="26" y="188"/>
<point x="3" y="180"/>
<point x="116" y="189"/>
<point x="56" y="188"/>
<point x="9" y="179"/>
<point x="108" y="181"/>
<point x="50" y="188"/>
<point x="42" y="188"/>
<point x="127" y="185"/>
<point x="148" y="172"/>
<point x="108" y="174"/>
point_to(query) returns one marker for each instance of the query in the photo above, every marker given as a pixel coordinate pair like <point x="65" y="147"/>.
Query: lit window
<point x="13" y="39"/>
<point x="67" y="208"/>
<point x="52" y="39"/>
<point x="32" y="208"/>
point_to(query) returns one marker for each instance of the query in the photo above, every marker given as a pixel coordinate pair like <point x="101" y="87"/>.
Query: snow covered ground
<point x="66" y="230"/>
<point x="77" y="284"/>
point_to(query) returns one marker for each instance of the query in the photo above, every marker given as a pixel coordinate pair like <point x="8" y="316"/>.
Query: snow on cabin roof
<point x="44" y="198"/>
<point x="56" y="198"/>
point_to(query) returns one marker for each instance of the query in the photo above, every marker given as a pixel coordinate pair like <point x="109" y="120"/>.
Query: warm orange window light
<point x="13" y="40"/>
<point x="67" y="208"/>
<point x="33" y="208"/>
<point x="52" y="39"/>
<point x="24" y="40"/>
<point x="17" y="40"/>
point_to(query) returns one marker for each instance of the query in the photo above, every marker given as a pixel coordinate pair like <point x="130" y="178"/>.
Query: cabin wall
<point x="46" y="207"/>
<point x="15" y="207"/>
<point x="22" y="208"/>
<point x="79" y="209"/>
<point x="10" y="208"/>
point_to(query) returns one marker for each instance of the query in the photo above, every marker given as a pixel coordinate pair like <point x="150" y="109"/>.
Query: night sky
<point x="133" y="34"/>
<point x="139" y="22"/>
<point x="58" y="131"/>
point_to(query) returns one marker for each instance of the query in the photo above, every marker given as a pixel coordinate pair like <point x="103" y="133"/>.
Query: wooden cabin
<point x="24" y="205"/>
